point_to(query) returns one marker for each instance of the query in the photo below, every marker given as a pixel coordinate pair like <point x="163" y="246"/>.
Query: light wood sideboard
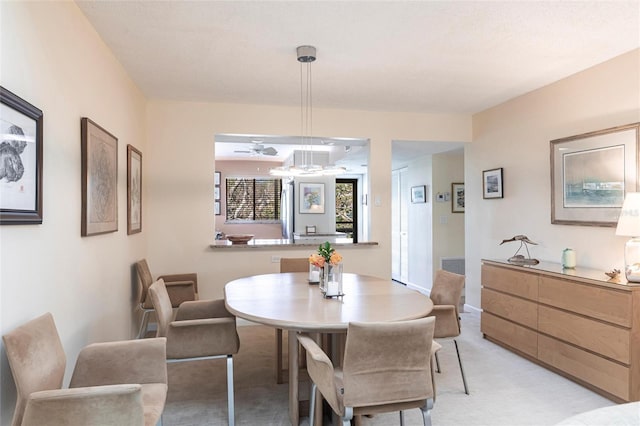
<point x="577" y="323"/>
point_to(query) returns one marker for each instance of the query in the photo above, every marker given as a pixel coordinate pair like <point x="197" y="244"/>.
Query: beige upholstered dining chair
<point x="181" y="288"/>
<point x="445" y="295"/>
<point x="287" y="264"/>
<point x="113" y="384"/>
<point x="202" y="329"/>
<point x="384" y="369"/>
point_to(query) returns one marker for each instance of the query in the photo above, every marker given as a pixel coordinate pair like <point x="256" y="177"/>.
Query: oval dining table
<point x="288" y="301"/>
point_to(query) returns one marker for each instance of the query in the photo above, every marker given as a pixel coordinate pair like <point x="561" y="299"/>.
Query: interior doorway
<point x="347" y="207"/>
<point x="399" y="228"/>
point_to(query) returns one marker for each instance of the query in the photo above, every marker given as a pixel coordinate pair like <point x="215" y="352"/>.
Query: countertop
<point x="281" y="243"/>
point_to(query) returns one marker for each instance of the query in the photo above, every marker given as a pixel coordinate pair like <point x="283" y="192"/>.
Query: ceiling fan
<point x="258" y="148"/>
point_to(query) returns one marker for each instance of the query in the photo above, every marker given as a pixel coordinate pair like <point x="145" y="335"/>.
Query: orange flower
<point x="335" y="258"/>
<point x="317" y="260"/>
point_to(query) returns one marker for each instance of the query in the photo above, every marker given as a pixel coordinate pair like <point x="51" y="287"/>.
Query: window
<point x="253" y="199"/>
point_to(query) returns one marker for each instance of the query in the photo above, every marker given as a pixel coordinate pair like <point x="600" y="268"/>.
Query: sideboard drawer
<point x="605" y="339"/>
<point x="604" y="374"/>
<point x="511" y="334"/>
<point x="512" y="308"/>
<point x="518" y="283"/>
<point x="597" y="302"/>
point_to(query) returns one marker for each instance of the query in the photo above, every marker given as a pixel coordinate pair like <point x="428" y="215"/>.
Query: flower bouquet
<point x="328" y="260"/>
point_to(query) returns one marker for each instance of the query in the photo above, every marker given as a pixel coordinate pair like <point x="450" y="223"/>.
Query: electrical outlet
<point x="275" y="259"/>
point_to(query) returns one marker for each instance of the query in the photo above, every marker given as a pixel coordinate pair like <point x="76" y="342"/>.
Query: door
<point x="347" y="207"/>
<point x="399" y="220"/>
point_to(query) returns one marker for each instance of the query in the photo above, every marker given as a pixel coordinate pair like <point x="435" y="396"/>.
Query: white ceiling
<point x="415" y="56"/>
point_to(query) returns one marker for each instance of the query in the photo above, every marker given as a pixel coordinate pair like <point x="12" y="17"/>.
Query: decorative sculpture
<point x="519" y="259"/>
<point x="613" y="273"/>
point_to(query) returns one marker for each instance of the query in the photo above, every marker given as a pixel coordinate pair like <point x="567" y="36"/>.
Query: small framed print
<point x="457" y="199"/>
<point x="99" y="179"/>
<point x="311" y="197"/>
<point x="216" y="193"/>
<point x="492" y="183"/>
<point x="21" y="142"/>
<point x="419" y="194"/>
<point x="216" y="178"/>
<point x="134" y="190"/>
<point x="310" y="229"/>
<point x="216" y="207"/>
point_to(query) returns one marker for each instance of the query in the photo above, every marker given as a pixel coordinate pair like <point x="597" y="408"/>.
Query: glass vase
<point x="331" y="280"/>
<point x="314" y="274"/>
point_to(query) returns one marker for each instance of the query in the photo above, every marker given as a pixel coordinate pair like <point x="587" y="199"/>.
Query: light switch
<point x="378" y="201"/>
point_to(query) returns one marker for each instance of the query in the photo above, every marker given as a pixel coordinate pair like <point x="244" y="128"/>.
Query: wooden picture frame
<point x="492" y="186"/>
<point x="134" y="190"/>
<point x="591" y="174"/>
<point x="419" y="194"/>
<point x="99" y="179"/>
<point x="21" y="150"/>
<point x="311" y="198"/>
<point x="457" y="197"/>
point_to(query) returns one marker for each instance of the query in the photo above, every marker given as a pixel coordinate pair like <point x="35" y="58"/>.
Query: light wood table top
<point x="287" y="301"/>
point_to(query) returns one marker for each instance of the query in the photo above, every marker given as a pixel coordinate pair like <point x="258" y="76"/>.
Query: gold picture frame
<point x="134" y="190"/>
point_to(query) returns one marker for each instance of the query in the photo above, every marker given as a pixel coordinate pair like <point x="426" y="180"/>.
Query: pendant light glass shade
<point x="306" y="55"/>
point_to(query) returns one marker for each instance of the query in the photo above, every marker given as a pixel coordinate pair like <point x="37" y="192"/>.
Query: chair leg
<point x="312" y="404"/>
<point x="426" y="412"/>
<point x="401" y="418"/>
<point x="230" y="394"/>
<point x="437" y="363"/>
<point x="348" y="415"/>
<point x="144" y="323"/>
<point x="464" y="380"/>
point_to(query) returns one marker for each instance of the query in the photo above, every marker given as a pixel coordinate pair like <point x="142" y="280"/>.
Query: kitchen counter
<point x="281" y="243"/>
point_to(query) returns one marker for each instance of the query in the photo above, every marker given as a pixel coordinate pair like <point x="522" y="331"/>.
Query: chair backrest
<point x="36" y="358"/>
<point x="447" y="288"/>
<point x="162" y="304"/>
<point x="388" y="362"/>
<point x="145" y="279"/>
<point x="294" y="264"/>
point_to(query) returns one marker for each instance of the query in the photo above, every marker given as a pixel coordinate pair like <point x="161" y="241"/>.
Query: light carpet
<point x="505" y="389"/>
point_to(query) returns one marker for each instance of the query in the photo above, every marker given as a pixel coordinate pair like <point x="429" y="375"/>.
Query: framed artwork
<point x="418" y="194"/>
<point x="216" y="178"/>
<point x="99" y="179"/>
<point x="311" y="197"/>
<point x="591" y="173"/>
<point x="492" y="184"/>
<point x="457" y="199"/>
<point x="216" y="207"/>
<point x="21" y="150"/>
<point x="134" y="190"/>
<point x="310" y="229"/>
<point x="216" y="193"/>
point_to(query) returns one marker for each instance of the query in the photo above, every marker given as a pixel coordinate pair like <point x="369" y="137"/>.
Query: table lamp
<point x="629" y="225"/>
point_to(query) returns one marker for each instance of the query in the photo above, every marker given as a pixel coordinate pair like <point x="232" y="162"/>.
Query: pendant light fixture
<point x="306" y="55"/>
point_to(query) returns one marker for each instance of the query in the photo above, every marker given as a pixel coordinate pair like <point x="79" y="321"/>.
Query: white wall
<point x="52" y="57"/>
<point x="448" y="227"/>
<point x="180" y="185"/>
<point x="515" y="136"/>
<point x="420" y="231"/>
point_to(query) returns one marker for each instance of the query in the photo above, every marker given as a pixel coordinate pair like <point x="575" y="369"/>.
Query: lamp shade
<point x="629" y="220"/>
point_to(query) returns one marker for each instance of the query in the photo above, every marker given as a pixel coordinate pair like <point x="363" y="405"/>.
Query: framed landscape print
<point x="457" y="197"/>
<point x="591" y="173"/>
<point x="312" y="198"/>
<point x="134" y="190"/>
<point x="21" y="142"/>
<point x="492" y="183"/>
<point x="99" y="179"/>
<point x="418" y="194"/>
